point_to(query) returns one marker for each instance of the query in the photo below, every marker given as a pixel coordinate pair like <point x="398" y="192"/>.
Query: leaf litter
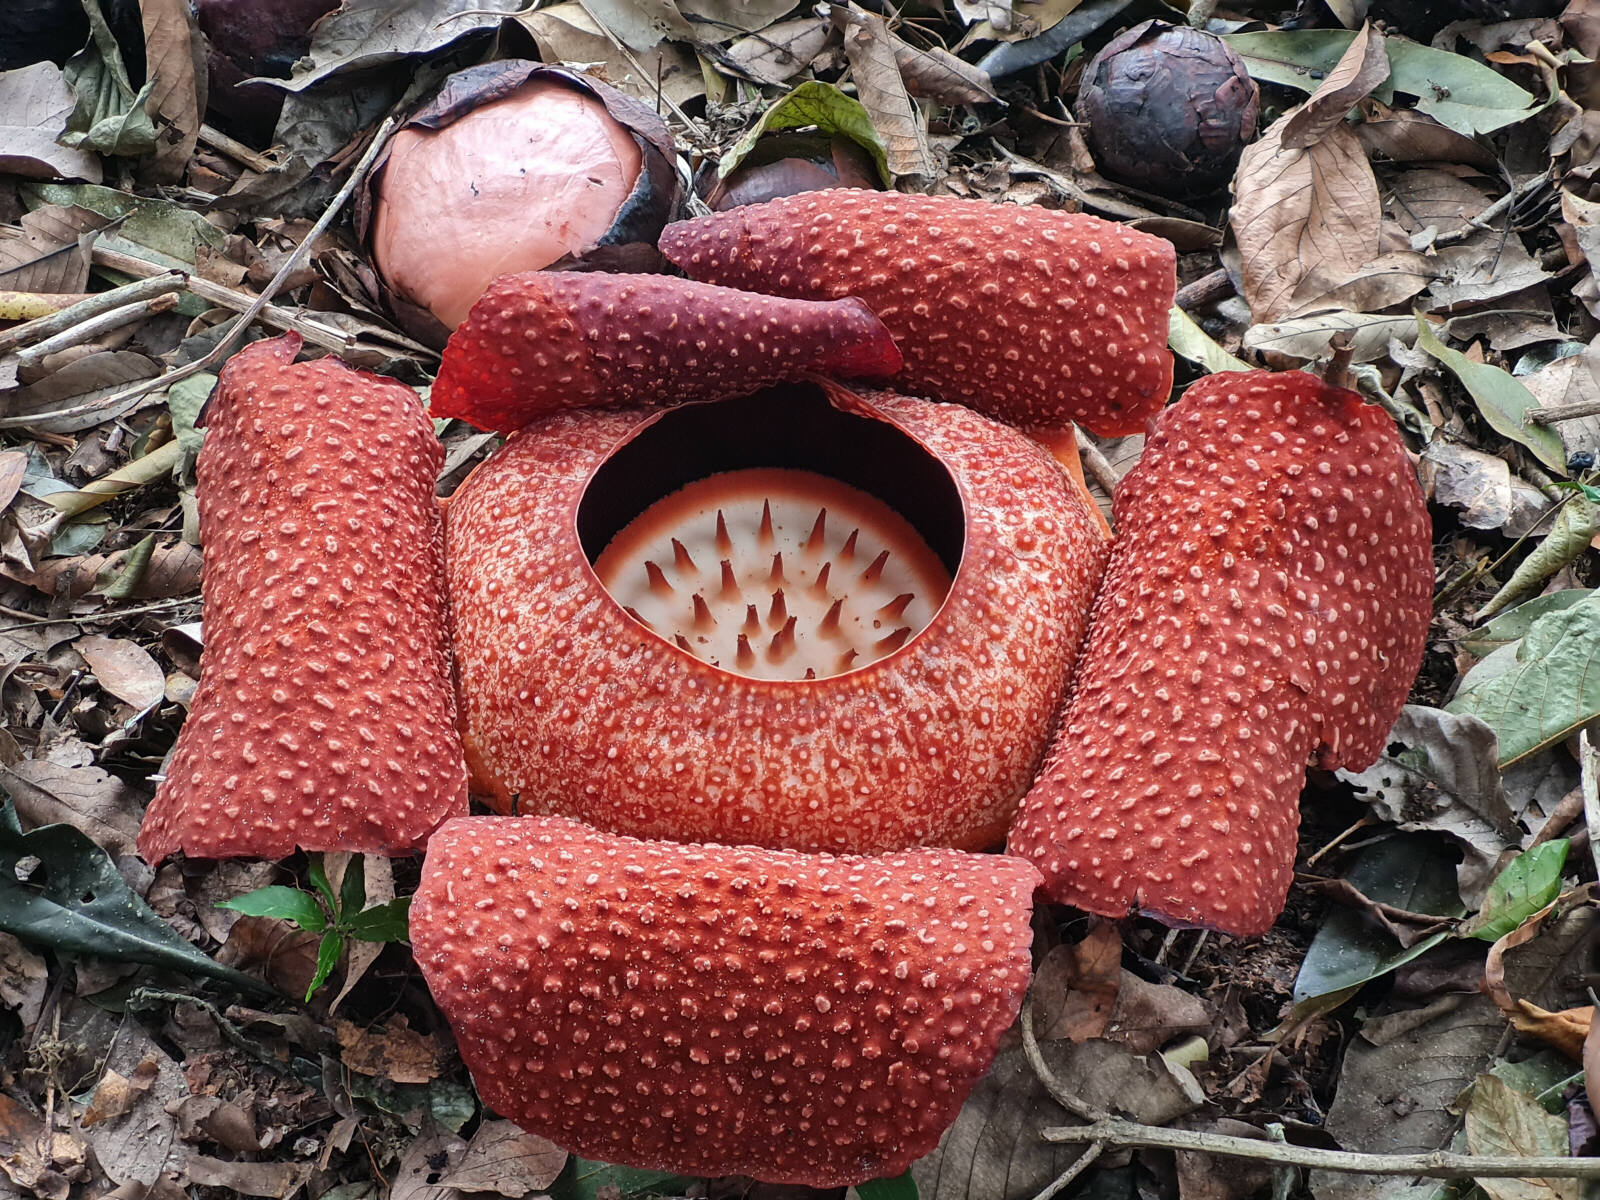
<point x="1428" y="192"/>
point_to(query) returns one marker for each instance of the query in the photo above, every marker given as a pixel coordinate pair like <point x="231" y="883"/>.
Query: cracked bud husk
<point x="515" y="166"/>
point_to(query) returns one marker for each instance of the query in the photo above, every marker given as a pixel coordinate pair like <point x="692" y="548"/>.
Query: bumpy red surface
<point x="573" y="707"/>
<point x="324" y="717"/>
<point x="1266" y="604"/>
<point x="541" y="342"/>
<point x="1035" y="317"/>
<point x="721" y="1010"/>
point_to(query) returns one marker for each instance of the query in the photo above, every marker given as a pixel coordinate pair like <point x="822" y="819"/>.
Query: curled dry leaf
<point x="1075" y="988"/>
<point x="874" y="64"/>
<point x="172" y="55"/>
<point x="1363" y="67"/>
<point x="1306" y="221"/>
<point x="125" y="669"/>
<point x="34" y="103"/>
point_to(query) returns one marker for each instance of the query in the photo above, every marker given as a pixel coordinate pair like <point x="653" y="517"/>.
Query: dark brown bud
<point x="786" y="164"/>
<point x="1168" y="109"/>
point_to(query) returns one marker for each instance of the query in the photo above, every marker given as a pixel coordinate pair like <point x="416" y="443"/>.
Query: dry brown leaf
<point x="780" y="52"/>
<point x="1076" y="988"/>
<point x="941" y="76"/>
<point x="399" y="1053"/>
<point x="173" y="570"/>
<point x="100" y="805"/>
<point x="1406" y="135"/>
<point x="175" y="64"/>
<point x="882" y="92"/>
<point x="1361" y="68"/>
<point x="1565" y="1031"/>
<point x="91" y="380"/>
<point x="274" y="1180"/>
<point x="1299" y="212"/>
<point x="378" y="877"/>
<point x="13" y="466"/>
<point x="568" y="33"/>
<point x="125" y="669"/>
<point x="116" y="1094"/>
<point x="23" y="979"/>
<point x="504" y="1159"/>
<point x="34" y="104"/>
<point x="284" y="956"/>
<point x="49" y="250"/>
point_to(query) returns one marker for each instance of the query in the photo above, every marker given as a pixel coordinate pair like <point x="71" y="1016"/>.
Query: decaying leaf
<point x="1360" y="69"/>
<point x="1503" y="1121"/>
<point x="34" y="103"/>
<point x="397" y="1053"/>
<point x="1309" y="227"/>
<point x="364" y="34"/>
<point x="881" y="90"/>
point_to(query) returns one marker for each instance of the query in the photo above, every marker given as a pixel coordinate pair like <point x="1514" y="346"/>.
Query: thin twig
<point x="1208" y="289"/>
<point x="94" y="327"/>
<point x="103" y="302"/>
<point x="1438" y="1164"/>
<point x="1079" y="1165"/>
<point x="1486" y="219"/>
<point x="274" y="316"/>
<point x="1550" y="414"/>
<point x="238" y="151"/>
<point x="1096" y="464"/>
<point x="1058" y="1090"/>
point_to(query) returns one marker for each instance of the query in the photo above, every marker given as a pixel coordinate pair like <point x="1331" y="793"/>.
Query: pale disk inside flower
<point x="775" y="573"/>
<point x="512" y="186"/>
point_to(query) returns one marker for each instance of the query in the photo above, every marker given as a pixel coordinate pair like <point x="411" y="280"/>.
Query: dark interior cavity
<point x="790" y="425"/>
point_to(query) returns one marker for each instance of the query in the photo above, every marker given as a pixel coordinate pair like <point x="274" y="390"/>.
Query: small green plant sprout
<point x="337" y="917"/>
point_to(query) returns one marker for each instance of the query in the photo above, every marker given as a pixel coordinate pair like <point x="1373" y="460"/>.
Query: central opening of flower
<point x="775" y="536"/>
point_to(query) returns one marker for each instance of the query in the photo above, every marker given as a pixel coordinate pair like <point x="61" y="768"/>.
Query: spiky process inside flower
<point x="1035" y="317"/>
<point x="544" y="341"/>
<point x="721" y="1010"/>
<point x="572" y="706"/>
<point x="775" y="573"/>
<point x="1266" y="605"/>
<point x="324" y="717"/>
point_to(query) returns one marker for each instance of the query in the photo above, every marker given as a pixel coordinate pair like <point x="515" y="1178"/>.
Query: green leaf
<point x="352" y="889"/>
<point x="1186" y="338"/>
<point x="1458" y="92"/>
<point x="329" y="951"/>
<point x="1566" y="543"/>
<point x="284" y="903"/>
<point x="185" y="399"/>
<point x="107" y="116"/>
<point x="318" y="875"/>
<point x="1548" y="688"/>
<point x="814" y="104"/>
<point x="155" y="230"/>
<point x="582" y="1179"/>
<point x="121" y="580"/>
<point x="899" y="1187"/>
<point x="74" y="900"/>
<point x="1408" y="872"/>
<point x="1513" y="626"/>
<point x="382" y="922"/>
<point x="1530" y="881"/>
<point x="1503" y="401"/>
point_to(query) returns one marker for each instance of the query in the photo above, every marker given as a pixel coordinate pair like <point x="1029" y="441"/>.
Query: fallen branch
<point x="1550" y="414"/>
<point x="95" y="327"/>
<point x="160" y="283"/>
<point x="1437" y="1164"/>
